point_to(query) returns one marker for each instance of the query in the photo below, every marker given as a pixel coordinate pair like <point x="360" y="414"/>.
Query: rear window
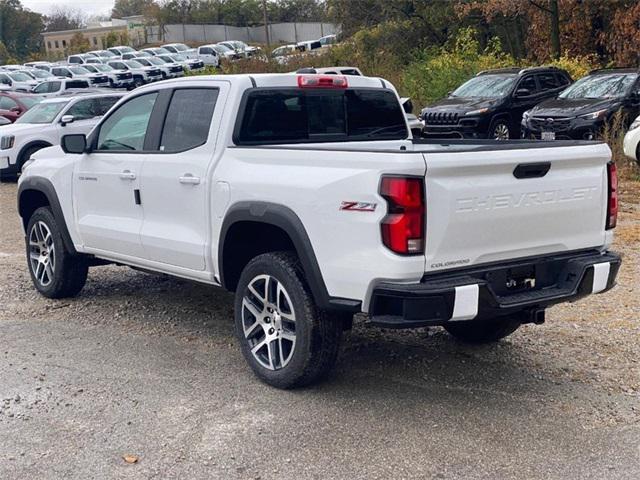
<point x="274" y="116"/>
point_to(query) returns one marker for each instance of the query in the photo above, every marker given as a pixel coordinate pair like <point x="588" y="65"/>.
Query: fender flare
<point x="44" y="186"/>
<point x="286" y="219"/>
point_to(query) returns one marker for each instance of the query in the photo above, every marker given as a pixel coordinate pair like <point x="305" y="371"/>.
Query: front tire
<point x="55" y="272"/>
<point x="500" y="130"/>
<point x="483" y="331"/>
<point x="285" y="338"/>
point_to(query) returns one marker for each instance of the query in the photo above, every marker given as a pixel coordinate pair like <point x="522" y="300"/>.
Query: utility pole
<point x="266" y="24"/>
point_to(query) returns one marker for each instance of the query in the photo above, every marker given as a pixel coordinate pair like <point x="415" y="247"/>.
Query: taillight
<point x="612" y="204"/>
<point x="322" y="81"/>
<point x="403" y="229"/>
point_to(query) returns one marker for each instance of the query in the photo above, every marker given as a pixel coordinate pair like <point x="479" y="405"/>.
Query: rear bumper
<point x="483" y="292"/>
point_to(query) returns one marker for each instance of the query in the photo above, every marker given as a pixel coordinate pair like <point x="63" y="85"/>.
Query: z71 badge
<point x="358" y="206"/>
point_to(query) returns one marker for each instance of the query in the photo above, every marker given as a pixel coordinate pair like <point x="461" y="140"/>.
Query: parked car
<point x="156" y="51"/>
<point x="102" y="54"/>
<point x="117" y="78"/>
<point x="632" y="141"/>
<point x="210" y="55"/>
<point x="309" y="200"/>
<point x="17" y="81"/>
<point x="120" y="50"/>
<point x="308" y="45"/>
<point x="141" y="74"/>
<point x="583" y="109"/>
<point x="241" y="48"/>
<point x="38" y="74"/>
<point x="282" y="54"/>
<point x="79" y="58"/>
<point x="181" y="48"/>
<point x="190" y="64"/>
<point x="491" y="104"/>
<point x="328" y="40"/>
<point x="45" y="66"/>
<point x="43" y="125"/>
<point x="168" y="70"/>
<point x="58" y="86"/>
<point x="78" y="72"/>
<point x="14" y="104"/>
<point x="11" y="67"/>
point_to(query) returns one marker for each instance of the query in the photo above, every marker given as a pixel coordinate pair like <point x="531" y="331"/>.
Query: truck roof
<point x="284" y="80"/>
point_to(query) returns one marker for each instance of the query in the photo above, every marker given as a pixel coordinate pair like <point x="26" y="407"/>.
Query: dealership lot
<point x="148" y="366"/>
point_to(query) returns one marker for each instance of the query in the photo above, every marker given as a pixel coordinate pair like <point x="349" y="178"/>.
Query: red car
<point x="13" y="104"/>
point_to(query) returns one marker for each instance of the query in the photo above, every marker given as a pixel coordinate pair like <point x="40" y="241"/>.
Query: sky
<point x="86" y="6"/>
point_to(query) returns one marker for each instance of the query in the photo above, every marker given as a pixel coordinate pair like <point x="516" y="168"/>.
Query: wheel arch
<point x="284" y="230"/>
<point x="35" y="192"/>
<point x="34" y="143"/>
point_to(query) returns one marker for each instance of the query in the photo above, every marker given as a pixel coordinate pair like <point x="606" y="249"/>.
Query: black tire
<point x="67" y="273"/>
<point x="138" y="82"/>
<point x="317" y="334"/>
<point x="479" y="331"/>
<point x="500" y="125"/>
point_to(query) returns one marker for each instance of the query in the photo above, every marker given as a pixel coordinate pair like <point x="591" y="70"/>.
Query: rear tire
<point x="55" y="272"/>
<point x="487" y="331"/>
<point x="287" y="341"/>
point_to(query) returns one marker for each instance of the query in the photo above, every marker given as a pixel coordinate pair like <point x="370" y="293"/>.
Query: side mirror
<point x="407" y="105"/>
<point x="76" y="143"/>
<point x="66" y="119"/>
<point x="523" y="92"/>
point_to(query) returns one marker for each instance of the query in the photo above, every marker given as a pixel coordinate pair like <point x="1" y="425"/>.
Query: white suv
<point x="42" y="126"/>
<point x="140" y="73"/>
<point x="78" y="72"/>
<point x="17" y="81"/>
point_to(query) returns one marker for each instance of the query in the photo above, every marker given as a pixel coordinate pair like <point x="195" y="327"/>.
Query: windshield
<point x="38" y="74"/>
<point x="179" y="57"/>
<point x="79" y="70"/>
<point x="180" y="47"/>
<point x="222" y="48"/>
<point x="103" y="68"/>
<point x="105" y="53"/>
<point x="486" y="86"/>
<point x="42" y="113"/>
<point x="144" y="61"/>
<point x="126" y="49"/>
<point x="133" y="64"/>
<point x="20" y="77"/>
<point x="156" y="61"/>
<point x="601" y="86"/>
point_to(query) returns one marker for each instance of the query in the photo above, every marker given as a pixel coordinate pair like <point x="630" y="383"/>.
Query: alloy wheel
<point x="269" y="322"/>
<point x="501" y="132"/>
<point x="42" y="253"/>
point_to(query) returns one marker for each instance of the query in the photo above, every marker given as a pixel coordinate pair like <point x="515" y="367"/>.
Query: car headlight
<point x="635" y="124"/>
<point x="594" y="115"/>
<point x="6" y="142"/>
<point x="480" y="111"/>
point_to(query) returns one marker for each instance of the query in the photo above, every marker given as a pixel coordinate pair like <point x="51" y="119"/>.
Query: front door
<point x="175" y="182"/>
<point x="107" y="181"/>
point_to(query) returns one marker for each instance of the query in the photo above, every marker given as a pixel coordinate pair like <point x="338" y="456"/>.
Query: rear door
<point x="478" y="211"/>
<point x="175" y="184"/>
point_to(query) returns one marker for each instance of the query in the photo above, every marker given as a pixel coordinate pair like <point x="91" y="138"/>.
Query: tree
<point x="19" y="29"/>
<point x="64" y="18"/>
<point x="79" y="43"/>
<point x="128" y="8"/>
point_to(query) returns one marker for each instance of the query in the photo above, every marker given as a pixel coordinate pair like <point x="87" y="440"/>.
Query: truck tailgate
<point x="478" y="211"/>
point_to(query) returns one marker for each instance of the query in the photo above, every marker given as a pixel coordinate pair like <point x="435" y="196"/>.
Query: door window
<point x="206" y="51"/>
<point x="81" y="110"/>
<point x="126" y="129"/>
<point x="5" y="79"/>
<point x="528" y="83"/>
<point x="548" y="81"/>
<point x="188" y="119"/>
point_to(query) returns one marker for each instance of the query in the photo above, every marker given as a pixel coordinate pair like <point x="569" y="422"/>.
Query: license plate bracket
<point x="548" y="135"/>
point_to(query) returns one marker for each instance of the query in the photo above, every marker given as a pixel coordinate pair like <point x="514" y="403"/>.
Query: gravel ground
<point x="146" y="367"/>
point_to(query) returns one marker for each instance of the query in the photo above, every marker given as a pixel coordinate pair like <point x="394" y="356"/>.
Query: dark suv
<point x="582" y="110"/>
<point x="491" y="104"/>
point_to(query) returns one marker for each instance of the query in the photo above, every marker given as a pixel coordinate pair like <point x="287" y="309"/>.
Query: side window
<point x="7" y="104"/>
<point x="563" y="81"/>
<point x="77" y="84"/>
<point x="548" y="81"/>
<point x="206" y="51"/>
<point x="81" y="110"/>
<point x="42" y="88"/>
<point x="188" y="119"/>
<point x="4" y="79"/>
<point x="126" y="129"/>
<point x="102" y="105"/>
<point x="54" y="86"/>
<point x="528" y="83"/>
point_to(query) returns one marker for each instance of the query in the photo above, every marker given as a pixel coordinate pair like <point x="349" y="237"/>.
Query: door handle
<point x="127" y="175"/>
<point x="189" y="179"/>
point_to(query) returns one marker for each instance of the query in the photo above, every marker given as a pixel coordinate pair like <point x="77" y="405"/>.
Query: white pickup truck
<point x="307" y="197"/>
